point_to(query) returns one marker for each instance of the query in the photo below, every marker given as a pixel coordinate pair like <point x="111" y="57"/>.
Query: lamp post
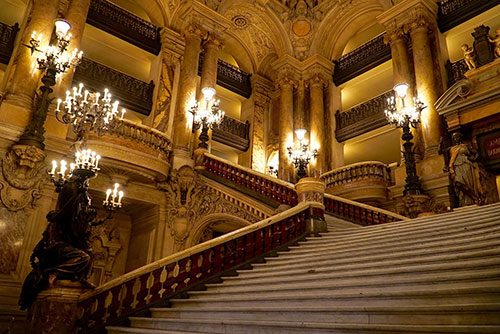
<point x="52" y="61"/>
<point x="403" y="117"/>
<point x="206" y="116"/>
<point x="87" y="112"/>
<point x="301" y="156"/>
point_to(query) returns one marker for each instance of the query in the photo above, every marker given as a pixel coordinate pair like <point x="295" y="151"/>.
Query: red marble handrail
<point x="259" y="183"/>
<point x="359" y="213"/>
<point x="160" y="280"/>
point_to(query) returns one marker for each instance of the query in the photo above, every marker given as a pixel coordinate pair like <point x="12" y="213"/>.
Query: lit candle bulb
<point x="97" y="96"/>
<point x="97" y="158"/>
<point x="63" y="168"/>
<point x="40" y="37"/>
<point x="54" y="167"/>
<point x="33" y="34"/>
<point x="77" y="157"/>
<point x="80" y="90"/>
<point x="71" y="167"/>
<point x="120" y="196"/>
<point x="86" y="95"/>
<point x="123" y="113"/>
<point x="58" y="104"/>
<point x="108" y="193"/>
<point x="105" y="93"/>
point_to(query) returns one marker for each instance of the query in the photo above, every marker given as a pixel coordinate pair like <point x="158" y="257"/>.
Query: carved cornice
<point x="172" y="45"/>
<point x="7" y="38"/>
<point x="403" y="13"/>
<point x="205" y="19"/>
<point x="213" y="41"/>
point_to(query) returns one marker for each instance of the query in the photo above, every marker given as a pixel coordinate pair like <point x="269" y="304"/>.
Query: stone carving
<point x="188" y="200"/>
<point x="496" y="41"/>
<point x="456" y="71"/>
<point x="106" y="245"/>
<point x="23" y="173"/>
<point x="12" y="226"/>
<point x="469" y="56"/>
<point x="7" y="38"/>
<point x="164" y="95"/>
<point x="482" y="46"/>
<point x="212" y="4"/>
<point x="465" y="173"/>
<point x="419" y="205"/>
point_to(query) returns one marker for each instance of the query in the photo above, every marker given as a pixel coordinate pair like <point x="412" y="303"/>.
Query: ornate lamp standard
<point x="87" y="112"/>
<point x="301" y="156"/>
<point x="206" y="117"/>
<point x="53" y="61"/>
<point x="403" y="118"/>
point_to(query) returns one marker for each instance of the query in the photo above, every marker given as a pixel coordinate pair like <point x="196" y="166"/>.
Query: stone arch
<point x="211" y="219"/>
<point x="155" y="11"/>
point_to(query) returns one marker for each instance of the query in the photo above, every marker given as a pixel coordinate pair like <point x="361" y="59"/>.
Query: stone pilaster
<point x="317" y="123"/>
<point x="186" y="96"/>
<point x="334" y="150"/>
<point x="260" y="91"/>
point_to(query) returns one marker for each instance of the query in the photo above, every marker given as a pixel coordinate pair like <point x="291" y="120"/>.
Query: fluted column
<point x="286" y="83"/>
<point x="26" y="74"/>
<point x="425" y="76"/>
<point x="187" y="94"/>
<point x="260" y="91"/>
<point x="77" y="16"/>
<point x="317" y="124"/>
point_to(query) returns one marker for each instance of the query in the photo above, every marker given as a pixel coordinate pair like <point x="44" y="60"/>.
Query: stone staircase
<point x="438" y="274"/>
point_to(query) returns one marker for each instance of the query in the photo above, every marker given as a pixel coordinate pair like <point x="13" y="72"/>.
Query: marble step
<point x="225" y="326"/>
<point x="479" y="292"/>
<point x="484" y="243"/>
<point x="357" y="281"/>
<point x="469" y="314"/>
<point x="129" y="330"/>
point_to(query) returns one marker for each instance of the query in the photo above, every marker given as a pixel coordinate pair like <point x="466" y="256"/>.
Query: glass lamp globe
<point x="300" y="134"/>
<point x="208" y="93"/>
<point x="62" y="27"/>
<point x="401" y="90"/>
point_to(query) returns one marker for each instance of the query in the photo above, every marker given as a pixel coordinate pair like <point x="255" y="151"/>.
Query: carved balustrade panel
<point x="362" y="59"/>
<point x="366" y="182"/>
<point x="358" y="213"/>
<point x="230" y="77"/>
<point x="454" y="12"/>
<point x="125" y="25"/>
<point x="456" y="71"/>
<point x="7" y="38"/>
<point x="232" y="132"/>
<point x="146" y="287"/>
<point x="259" y="185"/>
<point x="362" y="118"/>
<point x="132" y="93"/>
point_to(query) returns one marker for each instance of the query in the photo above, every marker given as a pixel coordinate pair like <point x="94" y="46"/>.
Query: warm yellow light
<point x="208" y="93"/>
<point x="62" y="27"/>
<point x="300" y="134"/>
<point x="401" y="90"/>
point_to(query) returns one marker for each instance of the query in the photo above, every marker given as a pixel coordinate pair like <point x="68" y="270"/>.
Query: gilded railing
<point x="7" y="39"/>
<point x="125" y="25"/>
<point x="362" y="118"/>
<point x="258" y="185"/>
<point x="142" y="134"/>
<point x="232" y="132"/>
<point x="132" y="93"/>
<point x="230" y="77"/>
<point x="453" y="12"/>
<point x="359" y="213"/>
<point x="159" y="281"/>
<point x="362" y="59"/>
<point x="372" y="170"/>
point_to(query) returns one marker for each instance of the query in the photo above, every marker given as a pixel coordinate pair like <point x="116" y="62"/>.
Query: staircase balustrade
<point x="366" y="170"/>
<point x="359" y="213"/>
<point x="154" y="283"/>
<point x="264" y="185"/>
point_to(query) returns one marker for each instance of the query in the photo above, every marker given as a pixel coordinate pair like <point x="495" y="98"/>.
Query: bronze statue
<point x="464" y="173"/>
<point x="64" y="253"/>
<point x="496" y="41"/>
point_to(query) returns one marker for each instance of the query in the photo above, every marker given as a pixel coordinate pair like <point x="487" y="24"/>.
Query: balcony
<point x="362" y="118"/>
<point x="125" y="25"/>
<point x="362" y="59"/>
<point x="232" y="132"/>
<point x="132" y="93"/>
<point x="454" y="12"/>
<point x="456" y="71"/>
<point x="7" y="38"/>
<point x="230" y="77"/>
<point x="365" y="182"/>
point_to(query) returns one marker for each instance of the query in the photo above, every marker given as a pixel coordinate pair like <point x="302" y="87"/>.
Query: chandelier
<point x="88" y="112"/>
<point x="301" y="156"/>
<point x="53" y="58"/>
<point x="208" y="115"/>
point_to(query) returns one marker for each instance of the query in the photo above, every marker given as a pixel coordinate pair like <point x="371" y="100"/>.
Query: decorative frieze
<point x="125" y="25"/>
<point x="132" y="93"/>
<point x="362" y="118"/>
<point x="7" y="38"/>
<point x="456" y="71"/>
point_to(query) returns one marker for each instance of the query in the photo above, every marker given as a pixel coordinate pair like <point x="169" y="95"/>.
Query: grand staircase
<point x="439" y="274"/>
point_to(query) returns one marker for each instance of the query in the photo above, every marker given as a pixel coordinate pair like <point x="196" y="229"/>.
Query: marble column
<point x="286" y="85"/>
<point x="261" y="103"/>
<point x="427" y="87"/>
<point x="299" y="114"/>
<point x="187" y="94"/>
<point x="77" y="16"/>
<point x="335" y="150"/>
<point x="26" y="75"/>
<point x="317" y="124"/>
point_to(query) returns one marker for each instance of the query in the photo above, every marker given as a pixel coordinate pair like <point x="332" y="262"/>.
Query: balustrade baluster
<point x="259" y="242"/>
<point x="143" y="292"/>
<point x="170" y="280"/>
<point x="206" y="265"/>
<point x="240" y="250"/>
<point x="218" y="257"/>
<point x="129" y="296"/>
<point x="195" y="271"/>
<point x="100" y="312"/>
<point x="229" y="254"/>
<point x="183" y="273"/>
<point x="115" y="302"/>
<point x="154" y="291"/>
<point x="268" y="241"/>
<point x="249" y="246"/>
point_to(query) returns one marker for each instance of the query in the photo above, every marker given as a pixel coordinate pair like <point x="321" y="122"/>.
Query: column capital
<point x="213" y="40"/>
<point x="394" y="33"/>
<point x="172" y="46"/>
<point x="403" y="14"/>
<point x="193" y="30"/>
<point x="317" y="79"/>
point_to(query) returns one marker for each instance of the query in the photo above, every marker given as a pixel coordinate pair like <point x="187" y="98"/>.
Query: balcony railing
<point x="125" y="25"/>
<point x="155" y="283"/>
<point x="361" y="118"/>
<point x="233" y="132"/>
<point x="454" y="12"/>
<point x="456" y="71"/>
<point x="230" y="77"/>
<point x="7" y="39"/>
<point x="359" y="213"/>
<point x="260" y="186"/>
<point x="366" y="181"/>
<point x="132" y="93"/>
<point x="362" y="59"/>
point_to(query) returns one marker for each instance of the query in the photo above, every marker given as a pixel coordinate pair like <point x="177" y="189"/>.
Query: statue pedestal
<point x="55" y="309"/>
<point x="311" y="189"/>
<point x="417" y="206"/>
